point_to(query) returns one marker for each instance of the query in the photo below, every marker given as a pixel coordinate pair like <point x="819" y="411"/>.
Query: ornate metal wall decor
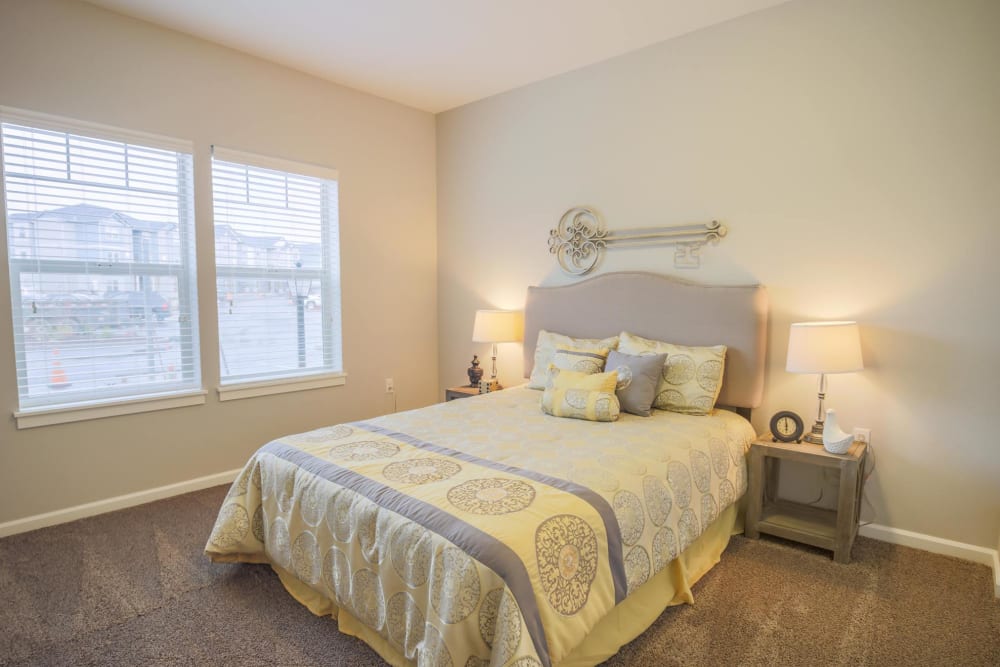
<point x="580" y="240"/>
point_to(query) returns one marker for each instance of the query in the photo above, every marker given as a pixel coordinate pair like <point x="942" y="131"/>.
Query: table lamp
<point x="823" y="347"/>
<point x="497" y="326"/>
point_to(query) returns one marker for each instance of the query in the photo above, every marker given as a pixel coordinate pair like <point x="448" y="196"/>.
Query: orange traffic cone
<point x="57" y="376"/>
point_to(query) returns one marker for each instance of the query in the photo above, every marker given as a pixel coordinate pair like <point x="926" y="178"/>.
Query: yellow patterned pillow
<point x="546" y="346"/>
<point x="595" y="406"/>
<point x="565" y="379"/>
<point x="583" y="361"/>
<point x="691" y="377"/>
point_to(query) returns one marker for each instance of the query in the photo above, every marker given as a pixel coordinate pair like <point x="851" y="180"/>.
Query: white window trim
<point x="288" y="381"/>
<point x="32" y="417"/>
<point x="84" y="411"/>
<point x="62" y="124"/>
<point x="275" y="163"/>
<point x="236" y="391"/>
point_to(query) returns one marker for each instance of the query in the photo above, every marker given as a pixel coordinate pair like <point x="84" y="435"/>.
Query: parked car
<point x="314" y="302"/>
<point x="61" y="315"/>
<point x="138" y="302"/>
<point x="66" y="313"/>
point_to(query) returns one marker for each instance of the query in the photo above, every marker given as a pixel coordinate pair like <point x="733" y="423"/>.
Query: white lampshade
<point x="498" y="326"/>
<point x="824" y="347"/>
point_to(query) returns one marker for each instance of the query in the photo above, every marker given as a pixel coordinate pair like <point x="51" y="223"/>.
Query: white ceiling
<point x="436" y="54"/>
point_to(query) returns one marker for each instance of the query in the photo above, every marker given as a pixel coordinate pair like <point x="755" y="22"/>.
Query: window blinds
<point x="100" y="234"/>
<point x="277" y="268"/>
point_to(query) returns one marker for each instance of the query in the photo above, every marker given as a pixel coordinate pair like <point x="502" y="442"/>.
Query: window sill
<point x="32" y="418"/>
<point x="233" y="392"/>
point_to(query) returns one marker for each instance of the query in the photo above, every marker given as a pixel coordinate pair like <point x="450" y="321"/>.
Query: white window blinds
<point x="100" y="235"/>
<point x="277" y="266"/>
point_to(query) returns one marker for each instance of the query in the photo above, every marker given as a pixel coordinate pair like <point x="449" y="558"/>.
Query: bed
<point x="484" y="532"/>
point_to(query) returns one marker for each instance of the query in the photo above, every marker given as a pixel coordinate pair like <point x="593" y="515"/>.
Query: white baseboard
<point x="938" y="545"/>
<point x="996" y="574"/>
<point x="117" y="503"/>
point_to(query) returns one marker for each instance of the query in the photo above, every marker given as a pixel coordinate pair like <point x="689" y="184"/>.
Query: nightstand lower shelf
<point x="810" y="525"/>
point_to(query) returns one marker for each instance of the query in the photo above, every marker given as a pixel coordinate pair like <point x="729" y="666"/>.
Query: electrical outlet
<point x="863" y="435"/>
<point x="390" y="387"/>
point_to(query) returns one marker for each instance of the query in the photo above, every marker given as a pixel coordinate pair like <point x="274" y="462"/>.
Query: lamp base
<point x="815" y="436"/>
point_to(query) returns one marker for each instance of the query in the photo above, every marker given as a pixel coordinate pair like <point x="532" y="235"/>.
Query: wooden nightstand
<point x="451" y="393"/>
<point x="824" y="528"/>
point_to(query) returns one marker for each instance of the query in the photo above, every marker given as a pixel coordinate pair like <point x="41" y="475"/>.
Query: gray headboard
<point x="661" y="308"/>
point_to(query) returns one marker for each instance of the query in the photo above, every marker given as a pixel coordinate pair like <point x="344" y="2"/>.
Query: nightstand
<point x="451" y="393"/>
<point x="828" y="529"/>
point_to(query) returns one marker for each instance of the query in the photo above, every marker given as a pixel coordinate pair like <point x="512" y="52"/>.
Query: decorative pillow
<point x="546" y="346"/>
<point x="562" y="379"/>
<point x="595" y="406"/>
<point x="691" y="377"/>
<point x="638" y="377"/>
<point x="583" y="361"/>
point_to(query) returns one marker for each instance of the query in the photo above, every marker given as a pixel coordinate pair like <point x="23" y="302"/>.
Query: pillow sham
<point x="691" y="377"/>
<point x="546" y="346"/>
<point x="583" y="361"/>
<point x="595" y="406"/>
<point x="638" y="378"/>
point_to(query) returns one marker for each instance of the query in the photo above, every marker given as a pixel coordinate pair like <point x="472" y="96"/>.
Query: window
<point x="100" y="229"/>
<point x="278" y="270"/>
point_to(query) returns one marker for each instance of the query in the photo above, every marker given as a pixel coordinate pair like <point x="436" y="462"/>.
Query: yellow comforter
<point x="481" y="531"/>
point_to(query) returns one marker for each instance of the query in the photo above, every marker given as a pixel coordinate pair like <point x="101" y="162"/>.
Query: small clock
<point x="786" y="426"/>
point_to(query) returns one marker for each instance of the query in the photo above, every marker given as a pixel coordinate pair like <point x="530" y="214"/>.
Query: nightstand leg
<point x="756" y="490"/>
<point x="772" y="477"/>
<point x="846" y="511"/>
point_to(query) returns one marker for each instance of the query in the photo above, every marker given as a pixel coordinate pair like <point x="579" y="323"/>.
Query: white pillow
<point x="546" y="346"/>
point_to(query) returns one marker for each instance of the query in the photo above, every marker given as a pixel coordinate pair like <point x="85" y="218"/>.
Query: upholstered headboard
<point x="661" y="308"/>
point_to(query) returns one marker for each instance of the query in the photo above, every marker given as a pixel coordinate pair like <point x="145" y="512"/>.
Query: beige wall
<point x="851" y="146"/>
<point x="75" y="60"/>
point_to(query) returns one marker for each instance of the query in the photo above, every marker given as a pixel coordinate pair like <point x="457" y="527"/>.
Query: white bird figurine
<point x="835" y="440"/>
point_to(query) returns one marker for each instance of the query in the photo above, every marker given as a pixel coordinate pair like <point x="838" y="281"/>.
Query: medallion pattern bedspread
<point x="482" y="531"/>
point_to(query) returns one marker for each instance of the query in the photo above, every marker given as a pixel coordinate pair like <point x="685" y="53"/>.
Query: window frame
<point x="102" y="403"/>
<point x="244" y="386"/>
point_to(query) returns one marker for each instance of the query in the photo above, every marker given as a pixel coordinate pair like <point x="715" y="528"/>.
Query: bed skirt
<point x="671" y="586"/>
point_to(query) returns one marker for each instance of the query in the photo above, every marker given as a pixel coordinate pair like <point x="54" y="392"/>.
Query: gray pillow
<point x="637" y="379"/>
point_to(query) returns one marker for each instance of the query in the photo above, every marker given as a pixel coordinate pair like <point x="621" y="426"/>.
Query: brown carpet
<point x="133" y="588"/>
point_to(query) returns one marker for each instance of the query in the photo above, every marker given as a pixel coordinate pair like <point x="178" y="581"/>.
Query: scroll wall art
<point x="580" y="240"/>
